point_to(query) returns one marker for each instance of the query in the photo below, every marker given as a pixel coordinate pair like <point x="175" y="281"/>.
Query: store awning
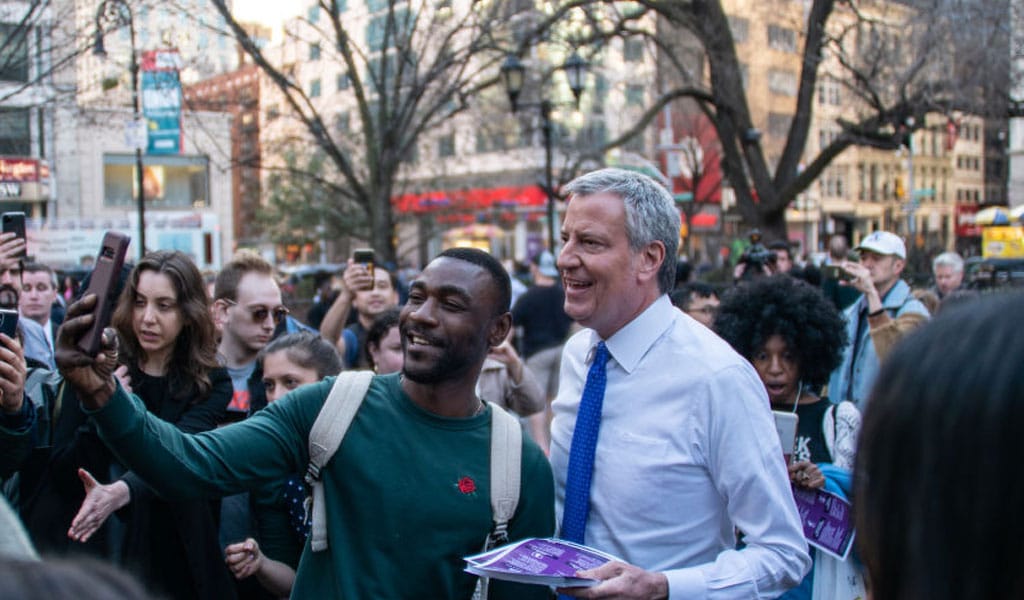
<point x="469" y="200"/>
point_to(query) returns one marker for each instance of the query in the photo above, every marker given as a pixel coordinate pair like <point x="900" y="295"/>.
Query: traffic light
<point x="900" y="192"/>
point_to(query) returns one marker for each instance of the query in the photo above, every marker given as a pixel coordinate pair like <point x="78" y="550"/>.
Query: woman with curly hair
<point x="167" y="348"/>
<point x="794" y="338"/>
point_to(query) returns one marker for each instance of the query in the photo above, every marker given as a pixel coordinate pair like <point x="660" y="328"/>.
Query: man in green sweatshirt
<point x="408" y="491"/>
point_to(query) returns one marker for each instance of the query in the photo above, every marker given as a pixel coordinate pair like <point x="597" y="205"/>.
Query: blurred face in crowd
<point x="779" y="371"/>
<point x="37" y="295"/>
<point x="783" y="261"/>
<point x="703" y="309"/>
<point x="947" y="279"/>
<point x="156" y="317"/>
<point x="387" y="358"/>
<point x="281" y="375"/>
<point x="10" y="284"/>
<point x="372" y="302"/>
<point x="885" y="269"/>
<point x="250" y="320"/>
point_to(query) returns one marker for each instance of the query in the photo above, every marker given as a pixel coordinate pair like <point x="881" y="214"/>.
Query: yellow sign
<point x="1002" y="242"/>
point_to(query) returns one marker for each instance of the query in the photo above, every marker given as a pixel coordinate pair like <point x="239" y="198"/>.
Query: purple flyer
<point x="827" y="521"/>
<point x="535" y="560"/>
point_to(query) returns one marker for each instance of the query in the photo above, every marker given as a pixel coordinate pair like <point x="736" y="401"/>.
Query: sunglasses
<point x="260" y="313"/>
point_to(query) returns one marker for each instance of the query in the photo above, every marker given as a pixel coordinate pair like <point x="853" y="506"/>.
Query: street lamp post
<point x="512" y="75"/>
<point x="120" y="12"/>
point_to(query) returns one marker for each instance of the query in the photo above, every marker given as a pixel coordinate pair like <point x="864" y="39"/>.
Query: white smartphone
<point x="785" y="426"/>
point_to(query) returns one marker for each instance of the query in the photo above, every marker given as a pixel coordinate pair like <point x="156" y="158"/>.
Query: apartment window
<point x="314" y="88"/>
<point x="744" y="74"/>
<point x="15" y="133"/>
<point x="343" y="81"/>
<point x="343" y="122"/>
<point x="446" y="146"/>
<point x="778" y="124"/>
<point x="170" y="182"/>
<point x="13" y="53"/>
<point x="273" y="112"/>
<point x="781" y="38"/>
<point x="314" y="51"/>
<point x="635" y="95"/>
<point x="782" y="82"/>
<point x="740" y="29"/>
<point x="379" y="34"/>
<point x="313" y="14"/>
<point x="633" y="49"/>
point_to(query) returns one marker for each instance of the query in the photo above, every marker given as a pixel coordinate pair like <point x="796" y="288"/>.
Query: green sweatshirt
<point x="407" y="492"/>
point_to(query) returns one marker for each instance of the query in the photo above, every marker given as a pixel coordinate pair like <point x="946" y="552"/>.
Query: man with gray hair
<point x="948" y="269"/>
<point x="663" y="443"/>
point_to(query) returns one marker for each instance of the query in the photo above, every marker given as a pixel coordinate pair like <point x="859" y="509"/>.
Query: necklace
<point x="479" y="409"/>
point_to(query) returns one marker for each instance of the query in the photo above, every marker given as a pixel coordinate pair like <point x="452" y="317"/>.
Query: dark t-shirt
<point x="539" y="311"/>
<point x="810" y="438"/>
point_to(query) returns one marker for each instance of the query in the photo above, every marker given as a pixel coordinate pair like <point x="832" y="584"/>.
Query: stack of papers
<point x="539" y="561"/>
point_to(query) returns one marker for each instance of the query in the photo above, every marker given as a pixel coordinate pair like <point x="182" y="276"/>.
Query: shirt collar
<point x="629" y="344"/>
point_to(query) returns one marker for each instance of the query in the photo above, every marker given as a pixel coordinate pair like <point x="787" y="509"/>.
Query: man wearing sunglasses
<point x="247" y="308"/>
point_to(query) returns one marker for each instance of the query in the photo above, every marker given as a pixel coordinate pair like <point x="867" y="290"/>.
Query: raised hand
<point x="100" y="501"/>
<point x="12" y="375"/>
<point x="243" y="558"/>
<point x="92" y="376"/>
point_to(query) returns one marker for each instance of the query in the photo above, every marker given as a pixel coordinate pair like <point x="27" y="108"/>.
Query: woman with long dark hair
<point x="167" y="348"/>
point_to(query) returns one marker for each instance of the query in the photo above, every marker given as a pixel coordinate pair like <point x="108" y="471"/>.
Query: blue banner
<point x="161" y="106"/>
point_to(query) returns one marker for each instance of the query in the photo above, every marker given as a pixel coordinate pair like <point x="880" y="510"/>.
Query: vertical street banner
<point x="161" y="101"/>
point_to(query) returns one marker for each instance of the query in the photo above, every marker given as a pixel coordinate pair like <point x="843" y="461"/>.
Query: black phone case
<point x="102" y="283"/>
<point x="8" y="322"/>
<point x="14" y="222"/>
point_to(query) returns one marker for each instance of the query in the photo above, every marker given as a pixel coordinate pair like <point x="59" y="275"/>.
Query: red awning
<point x="469" y="200"/>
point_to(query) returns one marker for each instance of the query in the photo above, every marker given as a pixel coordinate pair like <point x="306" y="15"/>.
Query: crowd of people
<point x="186" y="451"/>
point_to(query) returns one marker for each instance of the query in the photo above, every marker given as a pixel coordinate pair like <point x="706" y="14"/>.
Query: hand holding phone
<point x="364" y="256"/>
<point x="102" y="282"/>
<point x="836" y="272"/>
<point x="14" y="222"/>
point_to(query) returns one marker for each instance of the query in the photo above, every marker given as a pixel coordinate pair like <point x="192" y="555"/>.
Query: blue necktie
<point x="581" y="452"/>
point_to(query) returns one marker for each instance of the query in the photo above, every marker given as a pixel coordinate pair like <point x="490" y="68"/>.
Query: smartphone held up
<point x="364" y="256"/>
<point x="14" y="222"/>
<point x="103" y="282"/>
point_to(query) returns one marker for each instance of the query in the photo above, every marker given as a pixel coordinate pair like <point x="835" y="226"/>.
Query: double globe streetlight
<point x="513" y="75"/>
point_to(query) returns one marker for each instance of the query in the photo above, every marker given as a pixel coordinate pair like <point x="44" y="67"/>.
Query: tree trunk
<point x="773" y="225"/>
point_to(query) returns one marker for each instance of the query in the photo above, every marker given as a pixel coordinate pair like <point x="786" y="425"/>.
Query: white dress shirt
<point x="687" y="451"/>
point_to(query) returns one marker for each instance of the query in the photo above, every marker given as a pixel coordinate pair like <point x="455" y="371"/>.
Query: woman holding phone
<point x="793" y="336"/>
<point x="167" y="349"/>
<point x="290" y="361"/>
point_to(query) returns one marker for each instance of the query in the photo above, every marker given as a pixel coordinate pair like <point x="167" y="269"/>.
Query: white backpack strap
<point x="328" y="430"/>
<point x="506" y="461"/>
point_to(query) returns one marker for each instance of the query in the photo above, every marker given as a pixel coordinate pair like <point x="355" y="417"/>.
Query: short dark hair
<point x="934" y="481"/>
<point x="498" y="273"/>
<point x="35" y="267"/>
<point x="782" y="305"/>
<point x="681" y="297"/>
<point x="379" y="330"/>
<point x="782" y="245"/>
<point x="308" y="349"/>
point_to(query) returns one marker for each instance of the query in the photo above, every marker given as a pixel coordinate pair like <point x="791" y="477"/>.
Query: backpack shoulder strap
<point x="325" y="436"/>
<point x="506" y="462"/>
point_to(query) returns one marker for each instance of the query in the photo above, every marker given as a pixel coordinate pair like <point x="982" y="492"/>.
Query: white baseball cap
<point x="884" y="243"/>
